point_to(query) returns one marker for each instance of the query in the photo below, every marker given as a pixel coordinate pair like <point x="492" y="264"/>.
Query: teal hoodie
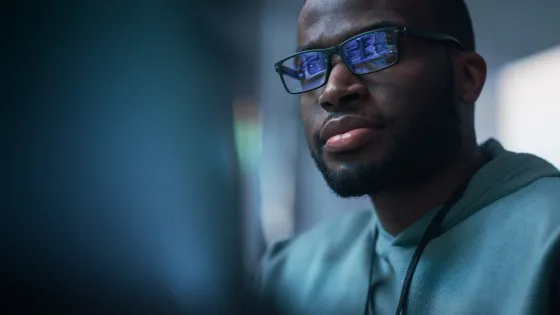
<point x="498" y="252"/>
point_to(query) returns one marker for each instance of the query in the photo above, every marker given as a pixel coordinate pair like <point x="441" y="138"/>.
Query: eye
<point x="312" y="64"/>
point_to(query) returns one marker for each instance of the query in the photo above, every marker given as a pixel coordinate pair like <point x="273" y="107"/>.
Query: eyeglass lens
<point x="367" y="53"/>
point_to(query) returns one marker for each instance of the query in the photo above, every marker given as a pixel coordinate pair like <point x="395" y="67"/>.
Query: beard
<point x="430" y="141"/>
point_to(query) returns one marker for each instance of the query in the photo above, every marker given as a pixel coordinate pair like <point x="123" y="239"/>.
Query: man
<point x="387" y="93"/>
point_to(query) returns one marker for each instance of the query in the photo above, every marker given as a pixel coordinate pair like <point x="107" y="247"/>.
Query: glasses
<point x="364" y="53"/>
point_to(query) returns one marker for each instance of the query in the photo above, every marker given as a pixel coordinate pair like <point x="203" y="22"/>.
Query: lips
<point x="348" y="133"/>
<point x="342" y="125"/>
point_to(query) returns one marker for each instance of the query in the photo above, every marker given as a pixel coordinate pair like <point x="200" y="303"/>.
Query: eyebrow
<point x="319" y="43"/>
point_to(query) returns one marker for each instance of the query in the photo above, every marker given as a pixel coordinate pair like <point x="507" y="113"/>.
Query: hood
<point x="503" y="175"/>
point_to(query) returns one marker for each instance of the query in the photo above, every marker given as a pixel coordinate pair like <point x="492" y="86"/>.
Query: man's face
<point x="407" y="116"/>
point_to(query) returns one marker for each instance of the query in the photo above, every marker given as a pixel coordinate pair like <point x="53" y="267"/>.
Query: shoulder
<point x="531" y="215"/>
<point x="326" y="237"/>
<point x="541" y="216"/>
<point x="540" y="199"/>
<point x="530" y="218"/>
<point x="296" y="257"/>
<point x="548" y="187"/>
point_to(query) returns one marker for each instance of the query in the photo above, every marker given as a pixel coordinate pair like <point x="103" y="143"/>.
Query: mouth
<point x="348" y="133"/>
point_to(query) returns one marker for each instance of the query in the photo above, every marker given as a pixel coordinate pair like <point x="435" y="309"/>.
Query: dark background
<point x="121" y="180"/>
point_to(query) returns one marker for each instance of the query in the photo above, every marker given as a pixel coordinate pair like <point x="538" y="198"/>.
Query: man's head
<point x="400" y="125"/>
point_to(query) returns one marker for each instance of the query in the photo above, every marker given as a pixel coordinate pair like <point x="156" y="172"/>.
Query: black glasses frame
<point x="336" y="50"/>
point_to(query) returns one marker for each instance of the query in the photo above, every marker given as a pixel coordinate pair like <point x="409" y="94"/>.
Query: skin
<point x="426" y="101"/>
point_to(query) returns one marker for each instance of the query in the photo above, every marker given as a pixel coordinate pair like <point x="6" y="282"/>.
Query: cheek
<point x="389" y="95"/>
<point x="401" y="89"/>
<point x="312" y="116"/>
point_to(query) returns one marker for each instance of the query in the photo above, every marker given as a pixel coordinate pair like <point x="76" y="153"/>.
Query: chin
<point x="349" y="166"/>
<point x="356" y="179"/>
<point x="354" y="174"/>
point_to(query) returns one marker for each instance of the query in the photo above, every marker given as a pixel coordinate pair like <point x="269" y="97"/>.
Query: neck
<point x="399" y="208"/>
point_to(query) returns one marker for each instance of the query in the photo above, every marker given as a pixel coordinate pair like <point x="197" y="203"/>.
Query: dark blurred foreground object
<point x="120" y="173"/>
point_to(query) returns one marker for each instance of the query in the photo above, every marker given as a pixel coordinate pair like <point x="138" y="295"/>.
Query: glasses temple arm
<point x="432" y="36"/>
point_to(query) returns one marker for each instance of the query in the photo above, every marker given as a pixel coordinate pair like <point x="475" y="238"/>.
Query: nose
<point x="343" y="89"/>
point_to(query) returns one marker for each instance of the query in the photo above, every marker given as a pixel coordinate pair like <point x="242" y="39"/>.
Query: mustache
<point x="330" y="117"/>
<point x="318" y="143"/>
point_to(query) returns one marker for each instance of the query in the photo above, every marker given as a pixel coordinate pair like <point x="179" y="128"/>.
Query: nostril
<point x="342" y="101"/>
<point x="349" y="98"/>
<point x="326" y="105"/>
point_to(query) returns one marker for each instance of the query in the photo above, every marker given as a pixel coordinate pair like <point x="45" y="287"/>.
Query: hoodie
<point x="497" y="253"/>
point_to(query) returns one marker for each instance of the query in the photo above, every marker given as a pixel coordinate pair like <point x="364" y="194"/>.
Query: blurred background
<point x="150" y="149"/>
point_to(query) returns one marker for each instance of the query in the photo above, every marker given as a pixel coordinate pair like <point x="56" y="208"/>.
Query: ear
<point x="471" y="76"/>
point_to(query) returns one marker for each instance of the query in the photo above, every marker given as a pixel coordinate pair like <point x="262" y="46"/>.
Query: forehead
<point x="324" y="23"/>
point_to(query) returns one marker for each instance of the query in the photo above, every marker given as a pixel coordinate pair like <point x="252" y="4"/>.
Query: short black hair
<point x="453" y="18"/>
